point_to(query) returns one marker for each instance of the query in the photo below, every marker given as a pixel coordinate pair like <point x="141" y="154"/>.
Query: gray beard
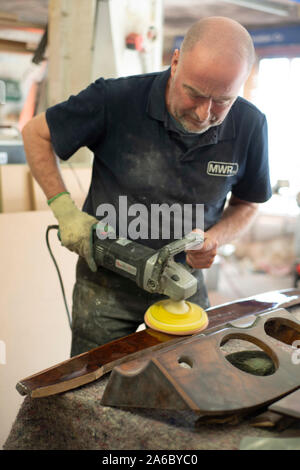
<point x="183" y="130"/>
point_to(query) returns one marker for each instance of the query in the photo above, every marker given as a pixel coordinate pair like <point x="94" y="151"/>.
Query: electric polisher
<point x="157" y="272"/>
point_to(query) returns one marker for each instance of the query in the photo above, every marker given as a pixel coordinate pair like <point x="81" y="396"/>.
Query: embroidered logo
<point x="222" y="169"/>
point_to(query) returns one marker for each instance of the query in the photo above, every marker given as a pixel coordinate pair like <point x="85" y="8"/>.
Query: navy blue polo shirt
<point x="139" y="153"/>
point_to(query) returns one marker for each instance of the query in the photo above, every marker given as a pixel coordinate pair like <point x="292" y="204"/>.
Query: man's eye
<point x="222" y="102"/>
<point x="192" y="95"/>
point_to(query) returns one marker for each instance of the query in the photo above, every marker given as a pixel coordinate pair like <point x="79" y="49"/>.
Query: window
<point x="278" y="96"/>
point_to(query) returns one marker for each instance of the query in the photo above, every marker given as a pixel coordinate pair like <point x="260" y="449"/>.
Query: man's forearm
<point x="41" y="158"/>
<point x="236" y="219"/>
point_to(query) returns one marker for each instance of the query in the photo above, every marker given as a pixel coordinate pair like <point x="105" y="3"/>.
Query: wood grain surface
<point x="289" y="405"/>
<point x="211" y="384"/>
<point x="91" y="365"/>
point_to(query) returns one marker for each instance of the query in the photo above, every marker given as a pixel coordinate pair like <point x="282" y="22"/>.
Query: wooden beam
<point x="12" y="22"/>
<point x="17" y="47"/>
<point x="4" y="15"/>
<point x="71" y="29"/>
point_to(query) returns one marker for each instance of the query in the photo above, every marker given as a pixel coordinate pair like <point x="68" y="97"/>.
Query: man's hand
<point x="237" y="216"/>
<point x="75" y="228"/>
<point x="203" y="257"/>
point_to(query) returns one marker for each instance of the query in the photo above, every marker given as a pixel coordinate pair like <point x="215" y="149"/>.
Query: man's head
<point x="208" y="72"/>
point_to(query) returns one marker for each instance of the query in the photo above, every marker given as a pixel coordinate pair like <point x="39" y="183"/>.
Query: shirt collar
<point x="156" y="108"/>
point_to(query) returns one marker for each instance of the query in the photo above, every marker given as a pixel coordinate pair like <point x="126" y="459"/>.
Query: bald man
<point x="182" y="136"/>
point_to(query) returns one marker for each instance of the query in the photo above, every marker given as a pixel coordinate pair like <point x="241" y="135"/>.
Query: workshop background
<point x="51" y="49"/>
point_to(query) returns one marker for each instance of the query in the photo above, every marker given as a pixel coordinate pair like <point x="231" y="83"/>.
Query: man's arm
<point x="74" y="225"/>
<point x="40" y="156"/>
<point x="236" y="218"/>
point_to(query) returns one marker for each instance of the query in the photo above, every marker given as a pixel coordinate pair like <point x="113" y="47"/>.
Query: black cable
<point x="50" y="227"/>
<point x="39" y="53"/>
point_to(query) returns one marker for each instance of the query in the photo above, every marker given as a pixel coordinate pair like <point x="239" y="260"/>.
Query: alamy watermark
<point x="2" y="92"/>
<point x="2" y="352"/>
<point x="296" y="353"/>
<point x="137" y="221"/>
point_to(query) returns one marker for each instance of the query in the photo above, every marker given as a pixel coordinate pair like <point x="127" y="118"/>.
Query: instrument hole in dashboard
<point x="283" y="330"/>
<point x="185" y="362"/>
<point x="247" y="356"/>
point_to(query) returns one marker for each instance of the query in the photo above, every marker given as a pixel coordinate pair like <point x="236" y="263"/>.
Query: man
<point x="179" y="136"/>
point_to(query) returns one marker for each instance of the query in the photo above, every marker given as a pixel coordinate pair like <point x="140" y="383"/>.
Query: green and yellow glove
<point x="75" y="227"/>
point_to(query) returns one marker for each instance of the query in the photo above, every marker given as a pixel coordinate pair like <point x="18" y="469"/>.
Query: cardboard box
<point x="15" y="194"/>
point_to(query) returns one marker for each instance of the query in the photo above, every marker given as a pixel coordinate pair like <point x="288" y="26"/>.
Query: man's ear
<point x="174" y="61"/>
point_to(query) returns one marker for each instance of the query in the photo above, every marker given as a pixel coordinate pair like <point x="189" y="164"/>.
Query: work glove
<point x="75" y="227"/>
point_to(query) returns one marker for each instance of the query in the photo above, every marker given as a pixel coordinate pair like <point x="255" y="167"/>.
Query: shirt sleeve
<point x="255" y="184"/>
<point x="79" y="121"/>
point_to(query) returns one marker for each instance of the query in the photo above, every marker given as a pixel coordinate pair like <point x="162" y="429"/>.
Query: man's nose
<point x="203" y="109"/>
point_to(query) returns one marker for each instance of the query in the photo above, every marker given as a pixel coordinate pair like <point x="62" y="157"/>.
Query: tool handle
<point x="187" y="243"/>
<point x="188" y="267"/>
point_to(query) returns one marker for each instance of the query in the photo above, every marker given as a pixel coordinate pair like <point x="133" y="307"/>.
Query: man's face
<point x="201" y="89"/>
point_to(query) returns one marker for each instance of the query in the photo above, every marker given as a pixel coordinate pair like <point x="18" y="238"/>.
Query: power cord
<point x="52" y="227"/>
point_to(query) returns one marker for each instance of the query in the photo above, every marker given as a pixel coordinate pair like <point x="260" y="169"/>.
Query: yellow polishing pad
<point x="176" y="318"/>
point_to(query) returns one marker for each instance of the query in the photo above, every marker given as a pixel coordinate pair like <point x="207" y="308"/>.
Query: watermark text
<point x="2" y="92"/>
<point x="156" y="222"/>
<point x="296" y="353"/>
<point x="2" y="352"/>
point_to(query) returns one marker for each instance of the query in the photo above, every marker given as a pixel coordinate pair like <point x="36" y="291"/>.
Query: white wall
<point x="33" y="322"/>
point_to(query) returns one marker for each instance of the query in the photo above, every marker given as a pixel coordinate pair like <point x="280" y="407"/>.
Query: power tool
<point x="157" y="272"/>
<point x="153" y="271"/>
